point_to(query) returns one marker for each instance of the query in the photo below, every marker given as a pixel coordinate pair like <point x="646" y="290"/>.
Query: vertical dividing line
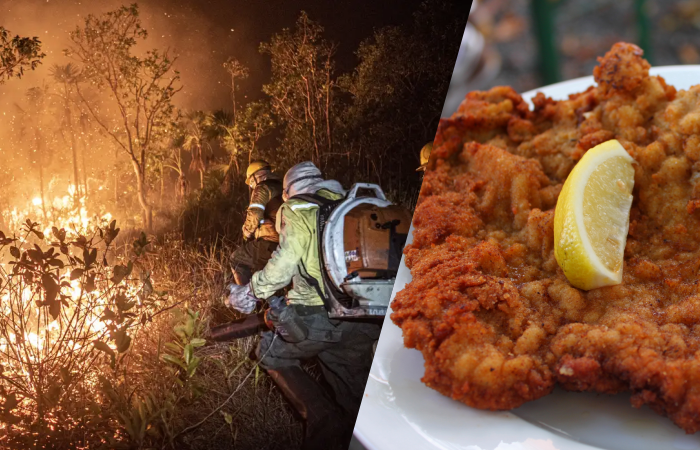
<point x="543" y="22"/>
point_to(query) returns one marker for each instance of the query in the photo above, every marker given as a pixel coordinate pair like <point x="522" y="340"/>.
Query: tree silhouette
<point x="224" y="127"/>
<point x="175" y="163"/>
<point x="34" y="126"/>
<point x="302" y="90"/>
<point x="254" y="123"/>
<point x="396" y="94"/>
<point x="139" y="89"/>
<point x="67" y="77"/>
<point x="17" y="54"/>
<point x="196" y="125"/>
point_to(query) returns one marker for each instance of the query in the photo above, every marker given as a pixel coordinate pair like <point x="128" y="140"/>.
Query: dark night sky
<point x="204" y="33"/>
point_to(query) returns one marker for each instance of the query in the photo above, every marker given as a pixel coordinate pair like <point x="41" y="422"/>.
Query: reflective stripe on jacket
<point x="296" y="260"/>
<point x="260" y="219"/>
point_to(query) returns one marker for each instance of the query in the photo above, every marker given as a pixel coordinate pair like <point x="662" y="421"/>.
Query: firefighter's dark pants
<point x="344" y="351"/>
<point x="250" y="258"/>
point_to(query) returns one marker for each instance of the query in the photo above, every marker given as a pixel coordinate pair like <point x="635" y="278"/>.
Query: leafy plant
<point x="66" y="314"/>
<point x="182" y="351"/>
<point x="17" y="54"/>
<point x="139" y="420"/>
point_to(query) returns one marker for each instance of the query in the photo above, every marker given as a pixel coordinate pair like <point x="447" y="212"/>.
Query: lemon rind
<point x="592" y="273"/>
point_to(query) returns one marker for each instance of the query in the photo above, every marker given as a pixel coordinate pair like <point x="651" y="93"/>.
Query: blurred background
<point x="530" y="43"/>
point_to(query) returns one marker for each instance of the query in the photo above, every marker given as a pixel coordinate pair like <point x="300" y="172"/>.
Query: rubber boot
<point x="325" y="426"/>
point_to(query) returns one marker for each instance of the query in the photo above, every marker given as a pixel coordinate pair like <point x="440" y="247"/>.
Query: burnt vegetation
<point x="103" y="330"/>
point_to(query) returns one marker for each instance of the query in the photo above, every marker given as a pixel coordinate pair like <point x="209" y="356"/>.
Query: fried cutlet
<point x="493" y="314"/>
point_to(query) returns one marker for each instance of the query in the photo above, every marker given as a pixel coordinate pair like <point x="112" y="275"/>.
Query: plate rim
<point x="364" y="435"/>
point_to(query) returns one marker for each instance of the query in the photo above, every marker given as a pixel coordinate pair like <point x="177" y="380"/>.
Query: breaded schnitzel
<point x="496" y="320"/>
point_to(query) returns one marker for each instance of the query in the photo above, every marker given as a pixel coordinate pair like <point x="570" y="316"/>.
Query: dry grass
<point x="145" y="402"/>
<point x="259" y="416"/>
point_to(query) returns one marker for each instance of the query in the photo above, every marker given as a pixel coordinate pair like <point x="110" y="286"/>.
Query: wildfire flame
<point x="63" y="211"/>
<point x="43" y="352"/>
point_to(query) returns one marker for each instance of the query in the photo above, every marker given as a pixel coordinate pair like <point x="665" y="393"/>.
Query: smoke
<point x="179" y="27"/>
<point x="171" y="24"/>
<point x="201" y="33"/>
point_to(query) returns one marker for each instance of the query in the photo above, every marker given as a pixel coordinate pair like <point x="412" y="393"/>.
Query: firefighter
<point x="343" y="348"/>
<point x="259" y="233"/>
<point x="425" y="156"/>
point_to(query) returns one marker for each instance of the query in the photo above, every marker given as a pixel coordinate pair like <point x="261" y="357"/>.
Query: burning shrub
<point x="67" y="315"/>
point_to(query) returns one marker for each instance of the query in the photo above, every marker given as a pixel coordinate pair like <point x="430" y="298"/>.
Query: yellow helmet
<point x="425" y="156"/>
<point x="254" y="167"/>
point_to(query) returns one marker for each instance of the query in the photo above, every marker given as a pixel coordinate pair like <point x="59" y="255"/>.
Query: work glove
<point x="241" y="298"/>
<point x="248" y="236"/>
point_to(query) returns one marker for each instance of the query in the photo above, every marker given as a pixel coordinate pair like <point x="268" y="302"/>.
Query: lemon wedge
<point x="592" y="217"/>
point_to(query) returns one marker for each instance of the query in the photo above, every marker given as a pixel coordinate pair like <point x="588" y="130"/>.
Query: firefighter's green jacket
<point x="296" y="259"/>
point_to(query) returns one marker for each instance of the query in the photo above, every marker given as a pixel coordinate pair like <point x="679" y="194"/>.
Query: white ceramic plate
<point x="399" y="412"/>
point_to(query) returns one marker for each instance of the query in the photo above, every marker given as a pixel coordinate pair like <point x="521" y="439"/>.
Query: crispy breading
<point x="494" y="316"/>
